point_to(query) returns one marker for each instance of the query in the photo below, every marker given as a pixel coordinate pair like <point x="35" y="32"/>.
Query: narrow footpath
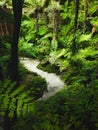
<point x="54" y="83"/>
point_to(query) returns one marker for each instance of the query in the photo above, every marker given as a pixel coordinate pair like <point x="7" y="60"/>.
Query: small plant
<point x="37" y="86"/>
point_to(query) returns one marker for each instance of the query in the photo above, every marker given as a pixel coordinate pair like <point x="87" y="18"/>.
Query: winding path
<point x="53" y="81"/>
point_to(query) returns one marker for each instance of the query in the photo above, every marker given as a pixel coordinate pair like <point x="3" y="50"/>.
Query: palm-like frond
<point x="9" y="99"/>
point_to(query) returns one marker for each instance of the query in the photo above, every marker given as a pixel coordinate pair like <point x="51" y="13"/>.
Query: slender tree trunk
<point x="14" y="76"/>
<point x="74" y="46"/>
<point x="56" y="24"/>
<point x="47" y="19"/>
<point x="17" y="10"/>
<point x="36" y="23"/>
<point x="85" y="14"/>
<point x="1" y="74"/>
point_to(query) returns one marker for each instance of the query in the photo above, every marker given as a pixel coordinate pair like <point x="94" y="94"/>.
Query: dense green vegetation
<point x="63" y="35"/>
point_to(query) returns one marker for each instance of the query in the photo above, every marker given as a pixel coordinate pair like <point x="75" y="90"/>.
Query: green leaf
<point x="94" y="22"/>
<point x="17" y="91"/>
<point x="85" y="37"/>
<point x="45" y="37"/>
<point x="61" y="53"/>
<point x="42" y="30"/>
<point x="54" y="44"/>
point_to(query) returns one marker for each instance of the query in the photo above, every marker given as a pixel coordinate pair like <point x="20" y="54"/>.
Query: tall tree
<point x="17" y="11"/>
<point x="74" y="46"/>
<point x="56" y="24"/>
<point x="1" y="74"/>
<point x="46" y="4"/>
<point x="36" y="22"/>
<point x="56" y="14"/>
<point x="85" y="14"/>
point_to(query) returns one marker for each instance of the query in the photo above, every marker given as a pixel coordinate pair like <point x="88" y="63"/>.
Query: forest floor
<point x="54" y="83"/>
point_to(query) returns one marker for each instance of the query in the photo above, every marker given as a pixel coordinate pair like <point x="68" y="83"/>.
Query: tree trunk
<point x="47" y="19"/>
<point x="85" y="14"/>
<point x="74" y="46"/>
<point x="36" y="23"/>
<point x="1" y="74"/>
<point x="55" y="24"/>
<point x="17" y="9"/>
<point x="14" y="76"/>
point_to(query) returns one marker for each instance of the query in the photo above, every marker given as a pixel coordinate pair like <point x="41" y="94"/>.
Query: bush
<point x="37" y="86"/>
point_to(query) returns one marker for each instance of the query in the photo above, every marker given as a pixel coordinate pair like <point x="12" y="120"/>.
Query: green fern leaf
<point x="10" y="88"/>
<point x="19" y="107"/>
<point x="85" y="37"/>
<point x="17" y="91"/>
<point x="5" y="102"/>
<point x="27" y="100"/>
<point x="25" y="109"/>
<point x="12" y="107"/>
<point x="4" y="86"/>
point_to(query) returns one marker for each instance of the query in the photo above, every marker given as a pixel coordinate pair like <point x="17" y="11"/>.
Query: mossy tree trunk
<point x="55" y="25"/>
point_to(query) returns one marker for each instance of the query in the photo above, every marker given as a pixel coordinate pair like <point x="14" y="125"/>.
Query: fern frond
<point x="5" y="102"/>
<point x="31" y="107"/>
<point x="12" y="107"/>
<point x="4" y="86"/>
<point x="27" y="100"/>
<point x="25" y="109"/>
<point x="17" y="91"/>
<point x="19" y="107"/>
<point x="17" y="100"/>
<point x="22" y="96"/>
<point x="10" y="88"/>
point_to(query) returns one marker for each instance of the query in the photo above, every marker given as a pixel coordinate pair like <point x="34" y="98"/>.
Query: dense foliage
<point x="64" y="37"/>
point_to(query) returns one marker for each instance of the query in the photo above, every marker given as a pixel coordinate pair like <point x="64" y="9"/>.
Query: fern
<point x="5" y="102"/>
<point x="9" y="90"/>
<point x="25" y="109"/>
<point x="85" y="37"/>
<point x="4" y="86"/>
<point x="12" y="107"/>
<point x="19" y="107"/>
<point x="16" y="101"/>
<point x="17" y="91"/>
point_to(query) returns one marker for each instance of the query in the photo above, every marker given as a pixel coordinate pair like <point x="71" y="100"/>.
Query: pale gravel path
<point x="53" y="81"/>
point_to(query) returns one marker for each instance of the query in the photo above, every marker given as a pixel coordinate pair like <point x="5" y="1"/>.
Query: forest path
<point x="54" y="84"/>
